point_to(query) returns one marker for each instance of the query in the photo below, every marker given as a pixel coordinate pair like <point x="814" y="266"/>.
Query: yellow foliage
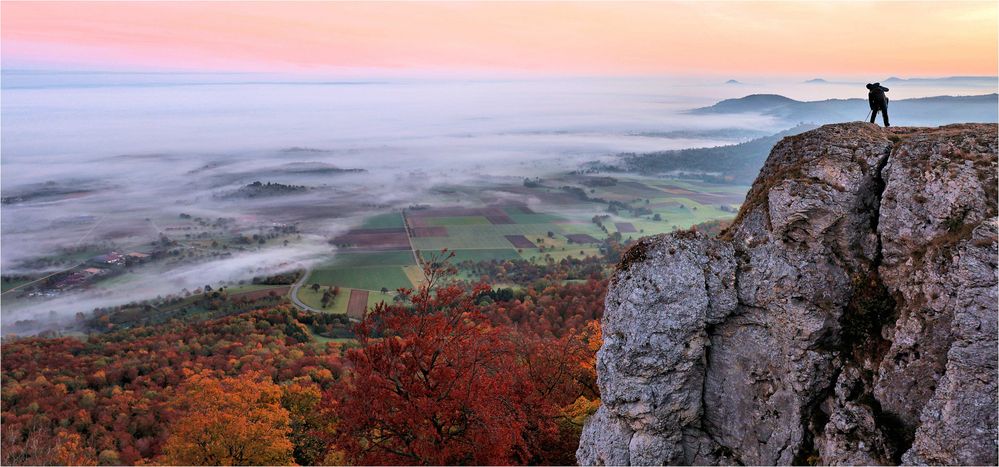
<point x="580" y="410"/>
<point x="311" y="428"/>
<point x="69" y="450"/>
<point x="229" y="421"/>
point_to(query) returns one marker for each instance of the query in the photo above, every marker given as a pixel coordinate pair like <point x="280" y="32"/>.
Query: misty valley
<point x="313" y="230"/>
<point x="515" y="180"/>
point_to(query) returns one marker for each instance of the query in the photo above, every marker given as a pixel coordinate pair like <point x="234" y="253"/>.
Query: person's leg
<point x="884" y="115"/>
<point x="874" y="113"/>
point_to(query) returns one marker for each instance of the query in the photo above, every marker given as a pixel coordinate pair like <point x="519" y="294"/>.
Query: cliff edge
<point x="848" y="316"/>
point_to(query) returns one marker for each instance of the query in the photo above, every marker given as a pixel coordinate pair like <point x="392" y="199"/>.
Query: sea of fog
<point x="148" y="145"/>
<point x="58" y="116"/>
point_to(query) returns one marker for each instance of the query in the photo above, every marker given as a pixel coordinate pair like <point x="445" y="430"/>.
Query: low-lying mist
<point x="112" y="166"/>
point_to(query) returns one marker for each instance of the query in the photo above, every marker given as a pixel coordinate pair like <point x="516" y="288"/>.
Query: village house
<point x="113" y="258"/>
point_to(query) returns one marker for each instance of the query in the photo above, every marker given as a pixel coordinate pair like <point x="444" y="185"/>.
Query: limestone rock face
<point x="848" y="316"/>
<point x="689" y="280"/>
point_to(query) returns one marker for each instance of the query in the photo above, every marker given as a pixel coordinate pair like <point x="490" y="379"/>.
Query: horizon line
<point x="465" y="74"/>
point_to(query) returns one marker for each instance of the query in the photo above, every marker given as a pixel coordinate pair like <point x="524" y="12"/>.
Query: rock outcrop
<point x="848" y="315"/>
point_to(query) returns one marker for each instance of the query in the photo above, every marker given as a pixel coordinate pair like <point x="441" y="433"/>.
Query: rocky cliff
<point x="848" y="316"/>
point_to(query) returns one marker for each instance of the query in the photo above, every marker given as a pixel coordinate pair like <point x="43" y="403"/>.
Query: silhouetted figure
<point x="878" y="100"/>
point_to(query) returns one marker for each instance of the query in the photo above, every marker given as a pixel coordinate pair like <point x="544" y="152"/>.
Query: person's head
<point x="877" y="85"/>
<point x="869" y="85"/>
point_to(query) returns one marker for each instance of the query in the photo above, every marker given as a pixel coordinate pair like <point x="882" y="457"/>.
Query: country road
<point x="81" y="263"/>
<point x="293" y="293"/>
<point x="409" y="237"/>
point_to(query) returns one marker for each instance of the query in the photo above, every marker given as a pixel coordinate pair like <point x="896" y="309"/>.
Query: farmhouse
<point x="113" y="258"/>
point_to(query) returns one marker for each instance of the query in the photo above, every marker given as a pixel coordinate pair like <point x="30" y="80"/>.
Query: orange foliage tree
<point x="229" y="421"/>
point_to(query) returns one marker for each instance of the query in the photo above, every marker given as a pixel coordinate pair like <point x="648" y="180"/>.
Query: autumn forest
<point x="450" y="373"/>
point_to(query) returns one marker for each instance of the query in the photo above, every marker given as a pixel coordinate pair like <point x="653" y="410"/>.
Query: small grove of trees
<point x="286" y="278"/>
<point x="39" y="447"/>
<point x="329" y="295"/>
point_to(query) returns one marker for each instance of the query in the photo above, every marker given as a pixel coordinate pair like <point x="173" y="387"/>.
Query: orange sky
<point x="736" y="38"/>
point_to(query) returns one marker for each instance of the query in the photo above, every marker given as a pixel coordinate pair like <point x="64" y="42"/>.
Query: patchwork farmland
<point x="567" y="217"/>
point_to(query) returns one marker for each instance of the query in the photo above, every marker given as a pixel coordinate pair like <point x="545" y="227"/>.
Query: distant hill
<point x="741" y="162"/>
<point x="709" y="133"/>
<point x="51" y="191"/>
<point x="262" y="190"/>
<point x="816" y="81"/>
<point x="952" y="80"/>
<point x="315" y="168"/>
<point x="750" y="103"/>
<point x="733" y="163"/>
<point x="732" y="81"/>
<point x="927" y="111"/>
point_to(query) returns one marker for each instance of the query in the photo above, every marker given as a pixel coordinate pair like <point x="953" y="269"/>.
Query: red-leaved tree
<point x="435" y="382"/>
<point x="432" y="383"/>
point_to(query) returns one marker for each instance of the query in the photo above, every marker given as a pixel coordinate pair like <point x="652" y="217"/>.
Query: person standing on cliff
<point x="878" y="100"/>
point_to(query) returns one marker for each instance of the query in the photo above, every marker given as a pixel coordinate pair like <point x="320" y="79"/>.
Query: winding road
<point x="293" y="293"/>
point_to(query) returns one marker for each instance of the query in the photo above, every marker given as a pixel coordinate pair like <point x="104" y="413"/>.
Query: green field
<point x="79" y="256"/>
<point x="376" y="297"/>
<point x="381" y="258"/>
<point x="697" y="185"/>
<point x="391" y="220"/>
<point x="14" y="283"/>
<point x="458" y="220"/>
<point x="315" y="299"/>
<point x="477" y="255"/>
<point x="348" y="341"/>
<point x="522" y="218"/>
<point x="587" y="228"/>
<point x="691" y="213"/>
<point x="339" y="304"/>
<point x="477" y="237"/>
<point x="115" y="281"/>
<point x="235" y="289"/>
<point x="368" y="278"/>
